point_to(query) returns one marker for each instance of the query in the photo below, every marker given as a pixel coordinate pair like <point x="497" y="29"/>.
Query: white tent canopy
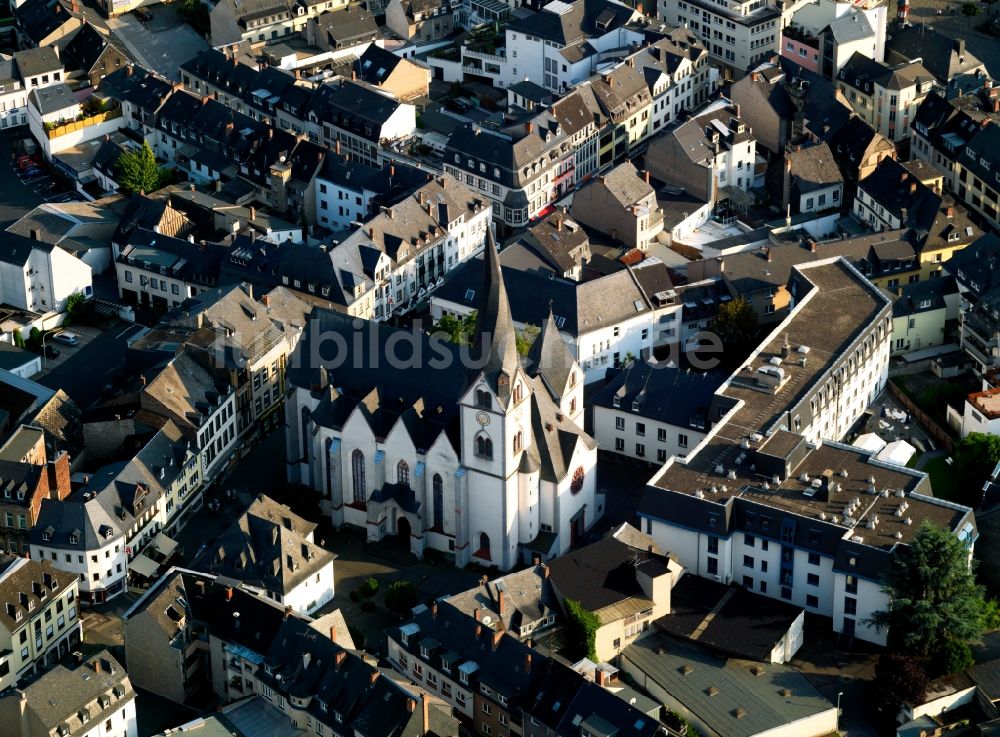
<point x="870" y="441"/>
<point x="898" y="451"/>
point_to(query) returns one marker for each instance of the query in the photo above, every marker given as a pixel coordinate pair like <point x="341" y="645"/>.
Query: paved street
<point x="93" y="366"/>
<point x="163" y="44"/>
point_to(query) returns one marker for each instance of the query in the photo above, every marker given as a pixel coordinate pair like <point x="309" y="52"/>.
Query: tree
<point x="975" y="457"/>
<point x="401" y="597"/>
<point x="935" y="604"/>
<point x="581" y="627"/>
<point x="18" y="339"/>
<point x="970" y="11"/>
<point x="735" y="322"/>
<point x="457" y="330"/>
<point x="75" y="302"/>
<point x="525" y="338"/>
<point x="899" y="680"/>
<point x="138" y="171"/>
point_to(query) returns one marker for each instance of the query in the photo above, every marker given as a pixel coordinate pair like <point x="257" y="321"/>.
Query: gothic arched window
<point x="438" y="486"/>
<point x="403" y="473"/>
<point x="358" y="477"/>
<point x="518" y="441"/>
<point x="484" y="446"/>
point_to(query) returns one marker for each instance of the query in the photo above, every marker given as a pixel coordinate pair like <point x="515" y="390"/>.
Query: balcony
<point x="53" y="130"/>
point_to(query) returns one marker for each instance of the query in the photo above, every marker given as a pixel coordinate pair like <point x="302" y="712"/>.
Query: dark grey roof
<point x="603" y="574"/>
<point x="852" y="27"/>
<point x="13" y="358"/>
<point x="577" y="21"/>
<point x="28" y="582"/>
<point x="675" y="396"/>
<point x="743" y="624"/>
<point x="940" y="55"/>
<point x="16" y="249"/>
<point x="376" y="64"/>
<point x="53" y="98"/>
<point x="814" y="167"/>
<point x="923" y="296"/>
<point x="349" y="25"/>
<point x="32" y="62"/>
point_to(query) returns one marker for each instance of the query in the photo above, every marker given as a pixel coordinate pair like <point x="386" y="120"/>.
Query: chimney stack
<point x="527" y="127"/>
<point x="425" y="708"/>
<point x="497" y="635"/>
<point x="646" y="176"/>
<point x="477" y="614"/>
<point x="411" y="705"/>
<point x="769" y="255"/>
<point x="950" y="212"/>
<point x="374" y="677"/>
<point x="527" y="662"/>
<point x="434" y="610"/>
<point x="333" y="634"/>
<point x="229" y="593"/>
<point x="501" y="602"/>
<point x="786" y="185"/>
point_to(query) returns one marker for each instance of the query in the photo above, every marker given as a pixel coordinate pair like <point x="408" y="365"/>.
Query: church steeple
<point x="550" y="357"/>
<point x="495" y="341"/>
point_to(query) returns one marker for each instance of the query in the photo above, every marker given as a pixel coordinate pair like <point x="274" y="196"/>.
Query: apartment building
<point x="812" y="180"/>
<point x="39" y="67"/>
<point x="822" y="36"/>
<point x="955" y="68"/>
<point x="349" y="192"/>
<point x="921" y="314"/>
<point x="362" y="120"/>
<point x="652" y="413"/>
<point x="271" y="551"/>
<point x="736" y="35"/>
<point x="235" y="21"/>
<point x="622" y="204"/>
<point x="678" y="74"/>
<point x="886" y="97"/>
<point x="39" y="277"/>
<point x="978" y="327"/>
<point x="200" y="403"/>
<point x="25" y="484"/>
<point x="709" y="154"/>
<point x="38" y="617"/>
<point x="959" y="138"/>
<point x="93" y="698"/>
<point x="421" y="21"/>
<point x="776" y="503"/>
<point x="99" y="532"/>
<point x="523" y="168"/>
<point x="13" y="97"/>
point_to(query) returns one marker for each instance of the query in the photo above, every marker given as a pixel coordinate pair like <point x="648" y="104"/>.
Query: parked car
<point x="459" y="106"/>
<point x="51" y="351"/>
<point x="66" y="338"/>
<point x="32" y="172"/>
<point x="29" y="164"/>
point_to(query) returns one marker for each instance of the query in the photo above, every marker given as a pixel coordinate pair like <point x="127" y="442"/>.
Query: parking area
<point x="162" y="42"/>
<point x="66" y="352"/>
<point x="84" y="370"/>
<point x="35" y="175"/>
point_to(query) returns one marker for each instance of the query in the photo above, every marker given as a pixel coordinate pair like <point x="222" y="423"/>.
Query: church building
<point x="470" y="450"/>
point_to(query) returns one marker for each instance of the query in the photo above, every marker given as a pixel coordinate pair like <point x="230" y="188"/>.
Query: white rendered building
<point x="445" y="447"/>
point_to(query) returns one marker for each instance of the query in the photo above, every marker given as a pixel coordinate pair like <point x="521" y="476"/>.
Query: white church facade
<point x="471" y="451"/>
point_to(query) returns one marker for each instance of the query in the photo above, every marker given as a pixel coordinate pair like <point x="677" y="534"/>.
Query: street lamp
<point x="839" y="694"/>
<point x="44" y="336"/>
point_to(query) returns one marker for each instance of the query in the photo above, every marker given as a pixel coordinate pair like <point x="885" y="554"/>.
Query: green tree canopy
<point x="899" y="679"/>
<point x="581" y="627"/>
<point x="735" y="322"/>
<point x="975" y="457"/>
<point x="401" y="597"/>
<point x="457" y="330"/>
<point x="935" y="605"/>
<point x="525" y="338"/>
<point x="139" y="172"/>
<point x="970" y="11"/>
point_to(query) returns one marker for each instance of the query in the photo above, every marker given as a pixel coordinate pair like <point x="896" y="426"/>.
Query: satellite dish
<point x="487" y="619"/>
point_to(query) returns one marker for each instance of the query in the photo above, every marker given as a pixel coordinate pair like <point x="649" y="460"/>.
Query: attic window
<point x="470" y="294"/>
<point x="616" y="401"/>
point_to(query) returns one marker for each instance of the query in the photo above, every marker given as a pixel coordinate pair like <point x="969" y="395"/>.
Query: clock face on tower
<point x="483" y="418"/>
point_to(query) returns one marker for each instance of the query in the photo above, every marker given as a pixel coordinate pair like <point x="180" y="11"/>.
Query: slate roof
<point x="574" y="21"/>
<point x="939" y="54"/>
<point x="528" y="597"/>
<point x="814" y="167"/>
<point x="674" y="396"/>
<point x="85" y="48"/>
<point x="861" y="72"/>
<point x="16" y="249"/>
<point x="60" y="696"/>
<point x="52" y="99"/>
<point x="923" y="296"/>
<point x="359" y="109"/>
<point x="13" y="358"/>
<point x="38" y="19"/>
<point x="32" y="62"/>
<point x="268" y="547"/>
<point x="603" y="574"/>
<point x="743" y="624"/>
<point x="37" y="581"/>
<point x="850" y="28"/>
<point x="146" y="90"/>
<point x="348" y="26"/>
<point x="896" y="188"/>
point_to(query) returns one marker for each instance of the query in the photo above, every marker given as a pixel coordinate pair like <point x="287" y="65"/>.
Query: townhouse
<point x="38" y="617"/>
<point x="678" y="74"/>
<point x="90" y="56"/>
<point x="812" y="181"/>
<point x="621" y="204"/>
<point x="249" y="340"/>
<point x="978" y="326"/>
<point x="139" y="94"/>
<point x="40" y="277"/>
<point x="625" y="585"/>
<point x="769" y="498"/>
<point x="401" y="78"/>
<point x="521" y="604"/>
<point x="955" y="68"/>
<point x="886" y="97"/>
<point x="235" y="21"/>
<point x="523" y="168"/>
<point x="708" y="156"/>
<point x="959" y="138"/>
<point x="92" y="698"/>
<point x="555" y="244"/>
<point x="921" y="314"/>
<point x="345" y="31"/>
<point x="200" y="403"/>
<point x="13" y="97"/>
<point x="421" y="21"/>
<point x="348" y="192"/>
<point x="556" y="47"/>
<point x="604" y="321"/>
<point x="271" y="551"/>
<point x="766" y="107"/>
<point x="822" y="36"/>
<point x="737" y="36"/>
<point x="26" y="482"/>
<point x="653" y="413"/>
<point x="38" y="68"/>
<point x="98" y="533"/>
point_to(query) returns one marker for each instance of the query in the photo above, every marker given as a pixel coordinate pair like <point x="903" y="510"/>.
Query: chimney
<point x="768" y="255"/>
<point x="59" y="485"/>
<point x="476" y="613"/>
<point x="434" y="610"/>
<point x="527" y="127"/>
<point x="496" y="638"/>
<point x="411" y="705"/>
<point x="646" y="176"/>
<point x="253" y="212"/>
<point x="229" y="593"/>
<point x="35" y="234"/>
<point x="354" y="76"/>
<point x="336" y="147"/>
<point x="904" y="217"/>
<point x="392" y="170"/>
<point x="601" y="676"/>
<point x="545" y="571"/>
<point x="374" y="677"/>
<point x="501" y="601"/>
<point x="899" y="291"/>
<point x="339" y="658"/>
<point x="266" y="300"/>
<point x="425" y="709"/>
<point x="527" y="662"/>
<point x="949" y="211"/>
<point x="960" y="46"/>
<point x="755" y="76"/>
<point x="812" y="246"/>
<point x="97" y="665"/>
<point x="913" y="187"/>
<point x="479" y="630"/>
<point x="371" y="234"/>
<point x="288" y="611"/>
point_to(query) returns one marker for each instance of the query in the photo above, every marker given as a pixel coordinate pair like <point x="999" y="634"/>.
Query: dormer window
<point x="616" y="401"/>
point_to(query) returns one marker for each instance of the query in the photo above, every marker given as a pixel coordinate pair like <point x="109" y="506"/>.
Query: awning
<point x="870" y="442"/>
<point x="164" y="544"/>
<point x="145" y="567"/>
